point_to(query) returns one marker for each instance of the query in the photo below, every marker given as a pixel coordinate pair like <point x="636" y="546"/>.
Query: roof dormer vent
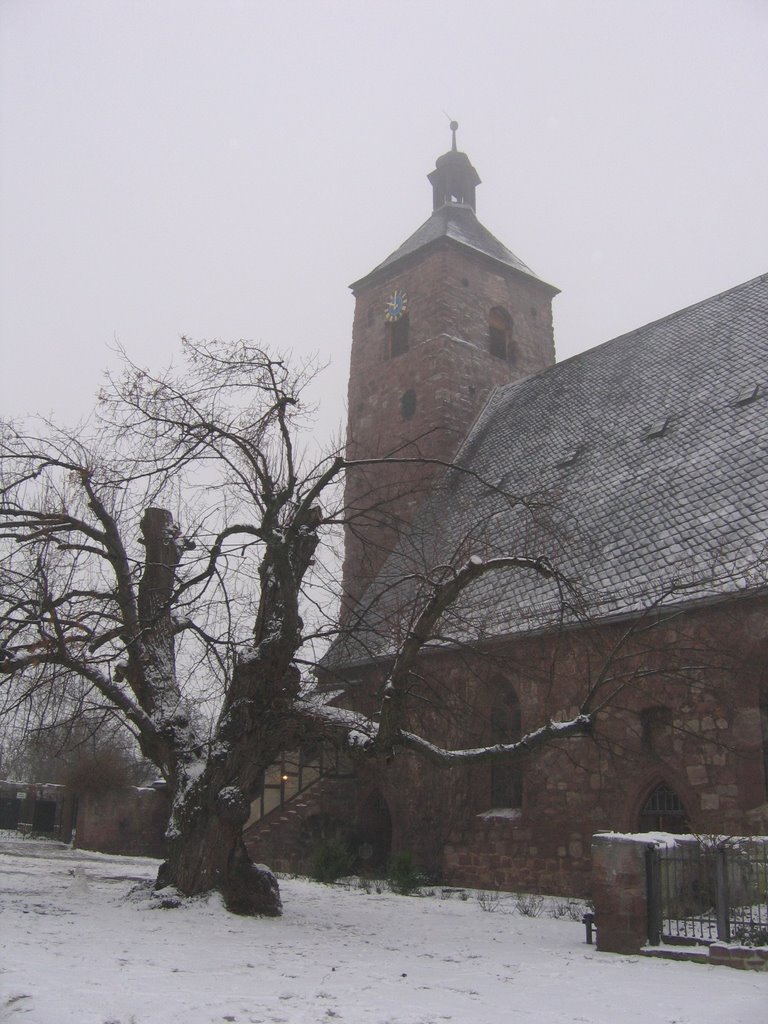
<point x="658" y="428"/>
<point x="568" y="458"/>
<point x="748" y="393"/>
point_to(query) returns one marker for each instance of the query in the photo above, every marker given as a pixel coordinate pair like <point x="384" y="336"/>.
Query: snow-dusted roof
<point x="459" y="224"/>
<point x="646" y="460"/>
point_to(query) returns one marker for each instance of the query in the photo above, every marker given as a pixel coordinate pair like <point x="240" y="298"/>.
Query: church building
<point x="639" y="471"/>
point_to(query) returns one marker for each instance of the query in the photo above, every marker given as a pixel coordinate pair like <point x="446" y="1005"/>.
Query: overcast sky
<point x="224" y="168"/>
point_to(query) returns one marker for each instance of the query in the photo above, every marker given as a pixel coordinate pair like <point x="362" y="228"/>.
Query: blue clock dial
<point x="395" y="306"/>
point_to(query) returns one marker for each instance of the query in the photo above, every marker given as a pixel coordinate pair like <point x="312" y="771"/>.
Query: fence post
<point x="721" y="895"/>
<point x="653" y="895"/>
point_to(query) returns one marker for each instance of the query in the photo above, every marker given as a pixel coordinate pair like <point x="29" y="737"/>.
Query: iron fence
<point x="700" y="891"/>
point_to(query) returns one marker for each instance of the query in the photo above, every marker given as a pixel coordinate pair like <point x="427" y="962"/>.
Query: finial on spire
<point x="454" y="129"/>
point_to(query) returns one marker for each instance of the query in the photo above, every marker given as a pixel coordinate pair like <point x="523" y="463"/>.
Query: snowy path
<point x="75" y="950"/>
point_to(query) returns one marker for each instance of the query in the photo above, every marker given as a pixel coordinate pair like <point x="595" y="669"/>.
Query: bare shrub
<point x="572" y="910"/>
<point x="488" y="901"/>
<point x="529" y="905"/>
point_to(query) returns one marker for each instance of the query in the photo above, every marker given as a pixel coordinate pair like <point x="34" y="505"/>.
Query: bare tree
<point x="81" y="749"/>
<point x="100" y="583"/>
<point x="189" y="625"/>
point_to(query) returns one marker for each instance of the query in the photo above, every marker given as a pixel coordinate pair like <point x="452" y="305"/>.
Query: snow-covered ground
<point x="82" y="945"/>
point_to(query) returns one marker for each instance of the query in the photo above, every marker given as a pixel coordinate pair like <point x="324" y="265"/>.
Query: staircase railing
<point x="294" y="773"/>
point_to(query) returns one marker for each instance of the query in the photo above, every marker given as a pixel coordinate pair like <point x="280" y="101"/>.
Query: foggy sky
<point x="224" y="169"/>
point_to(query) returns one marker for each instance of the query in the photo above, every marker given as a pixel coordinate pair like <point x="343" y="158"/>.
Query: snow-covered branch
<point x="444" y="595"/>
<point x="581" y="725"/>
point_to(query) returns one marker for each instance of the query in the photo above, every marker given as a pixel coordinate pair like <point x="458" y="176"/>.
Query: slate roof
<point x="459" y="224"/>
<point x="647" y="458"/>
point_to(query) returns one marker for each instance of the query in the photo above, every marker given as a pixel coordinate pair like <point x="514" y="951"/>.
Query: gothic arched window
<point x="506" y="727"/>
<point x="663" y="811"/>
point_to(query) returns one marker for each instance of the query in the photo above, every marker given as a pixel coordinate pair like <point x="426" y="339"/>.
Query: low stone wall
<point x="501" y="852"/>
<point x="128" y="821"/>
<point x="744" y="958"/>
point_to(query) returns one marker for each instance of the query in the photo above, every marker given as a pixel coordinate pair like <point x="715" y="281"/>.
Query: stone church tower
<point x="448" y="316"/>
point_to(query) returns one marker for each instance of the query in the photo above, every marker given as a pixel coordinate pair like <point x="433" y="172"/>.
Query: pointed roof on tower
<point x="454" y="181"/>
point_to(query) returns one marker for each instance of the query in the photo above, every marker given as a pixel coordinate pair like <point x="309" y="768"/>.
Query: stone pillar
<point x="619" y="892"/>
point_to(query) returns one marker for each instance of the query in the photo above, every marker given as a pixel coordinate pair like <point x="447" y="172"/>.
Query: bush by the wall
<point x="332" y="859"/>
<point x="404" y="876"/>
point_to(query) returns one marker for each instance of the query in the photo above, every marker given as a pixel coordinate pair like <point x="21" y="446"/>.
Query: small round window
<point x="408" y="404"/>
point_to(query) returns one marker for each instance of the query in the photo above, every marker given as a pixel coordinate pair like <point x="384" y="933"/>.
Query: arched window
<point x="506" y="727"/>
<point x="374" y="826"/>
<point x="656" y="730"/>
<point x="398" y="336"/>
<point x="500" y="342"/>
<point x="663" y="811"/>
<point x="764" y="728"/>
<point x="408" y="404"/>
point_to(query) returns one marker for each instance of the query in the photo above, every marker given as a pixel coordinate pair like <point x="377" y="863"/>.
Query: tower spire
<point x="454" y="179"/>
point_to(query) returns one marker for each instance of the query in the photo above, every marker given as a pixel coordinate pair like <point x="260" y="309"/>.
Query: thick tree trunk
<point x="206" y="852"/>
<point x="213" y="780"/>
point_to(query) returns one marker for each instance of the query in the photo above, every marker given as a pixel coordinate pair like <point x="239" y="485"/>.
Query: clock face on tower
<point x="395" y="306"/>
